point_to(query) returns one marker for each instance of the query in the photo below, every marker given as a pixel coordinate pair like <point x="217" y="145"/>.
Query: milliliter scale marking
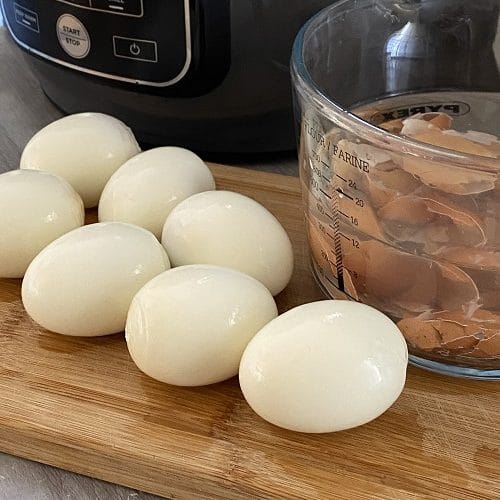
<point x="331" y="191"/>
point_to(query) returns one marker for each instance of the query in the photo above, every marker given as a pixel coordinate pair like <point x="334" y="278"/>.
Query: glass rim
<point x="302" y="82"/>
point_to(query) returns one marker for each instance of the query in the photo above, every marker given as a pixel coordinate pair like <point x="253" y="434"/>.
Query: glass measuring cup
<point x="407" y="224"/>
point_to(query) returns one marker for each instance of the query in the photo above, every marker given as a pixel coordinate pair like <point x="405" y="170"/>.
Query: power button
<point x="73" y="36"/>
<point x="135" y="48"/>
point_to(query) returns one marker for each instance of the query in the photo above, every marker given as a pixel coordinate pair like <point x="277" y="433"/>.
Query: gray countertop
<point x="24" y="109"/>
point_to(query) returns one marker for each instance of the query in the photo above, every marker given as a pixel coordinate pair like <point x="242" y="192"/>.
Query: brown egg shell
<point x="384" y="185"/>
<point x="449" y="179"/>
<point x="491" y="210"/>
<point x="434" y="128"/>
<point x="491" y="298"/>
<point x="389" y="273"/>
<point x="472" y="258"/>
<point x="494" y="147"/>
<point x="356" y="263"/>
<point x="480" y="326"/>
<point x="483" y="316"/>
<point x="456" y="289"/>
<point x="406" y="210"/>
<point x="349" y="286"/>
<point x="420" y="334"/>
<point x="488" y="141"/>
<point x="394" y="126"/>
<point x="367" y="220"/>
<point x="407" y="284"/>
<point x="440" y="120"/>
<point x="414" y="126"/>
<point x="454" y="180"/>
<point x="458" y="345"/>
<point x="452" y="332"/>
<point x="488" y="348"/>
<point x="453" y="141"/>
<point x="432" y="223"/>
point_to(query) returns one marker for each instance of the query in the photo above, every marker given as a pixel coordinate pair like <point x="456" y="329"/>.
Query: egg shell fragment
<point x="472" y="258"/>
<point x="403" y="284"/>
<point x="385" y="184"/>
<point x="190" y="325"/>
<point x="228" y="229"/>
<point x="417" y="122"/>
<point x="145" y="189"/>
<point x="35" y="209"/>
<point x="432" y="222"/>
<point x="82" y="284"/>
<point x="453" y="142"/>
<point x="455" y="333"/>
<point x="324" y="366"/>
<point x="85" y="149"/>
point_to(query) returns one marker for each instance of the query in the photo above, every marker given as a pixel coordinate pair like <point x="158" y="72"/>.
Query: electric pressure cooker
<point x="211" y="75"/>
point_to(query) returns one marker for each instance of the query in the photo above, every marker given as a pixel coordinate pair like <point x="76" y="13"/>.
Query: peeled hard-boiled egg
<point x="324" y="366"/>
<point x="228" y="229"/>
<point x="147" y="187"/>
<point x="190" y="325"/>
<point x="82" y="283"/>
<point x="85" y="149"/>
<point x="35" y="209"/>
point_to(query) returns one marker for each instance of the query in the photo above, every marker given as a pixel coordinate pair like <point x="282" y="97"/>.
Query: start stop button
<point x="73" y="36"/>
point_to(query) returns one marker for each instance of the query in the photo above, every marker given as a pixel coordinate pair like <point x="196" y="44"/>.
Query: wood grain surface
<point x="24" y="109"/>
<point x="82" y="405"/>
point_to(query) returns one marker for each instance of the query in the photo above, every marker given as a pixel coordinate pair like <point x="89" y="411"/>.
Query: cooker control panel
<point x="124" y="7"/>
<point x="140" y="42"/>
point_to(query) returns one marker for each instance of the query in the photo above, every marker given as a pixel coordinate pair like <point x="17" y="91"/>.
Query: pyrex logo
<point x="451" y="108"/>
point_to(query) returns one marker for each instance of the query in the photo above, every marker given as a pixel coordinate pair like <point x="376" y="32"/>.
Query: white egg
<point x="190" y="325"/>
<point x="85" y="149"/>
<point x="147" y="187"/>
<point x="324" y="366"/>
<point x="228" y="229"/>
<point x="82" y="284"/>
<point x="35" y="209"/>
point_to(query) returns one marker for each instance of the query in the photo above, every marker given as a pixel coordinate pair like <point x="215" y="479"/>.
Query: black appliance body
<point x="211" y="75"/>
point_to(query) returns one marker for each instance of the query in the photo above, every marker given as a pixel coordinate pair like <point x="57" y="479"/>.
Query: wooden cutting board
<point x="82" y="405"/>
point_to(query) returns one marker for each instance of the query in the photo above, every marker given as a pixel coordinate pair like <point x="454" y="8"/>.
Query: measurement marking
<point x="326" y="194"/>
<point x="345" y="215"/>
<point x="325" y="178"/>
<point x="329" y="235"/>
<point x="340" y="177"/>
<point x="337" y="243"/>
<point x="325" y="164"/>
<point x="346" y="237"/>
<point x="328" y="215"/>
<point x="345" y="194"/>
